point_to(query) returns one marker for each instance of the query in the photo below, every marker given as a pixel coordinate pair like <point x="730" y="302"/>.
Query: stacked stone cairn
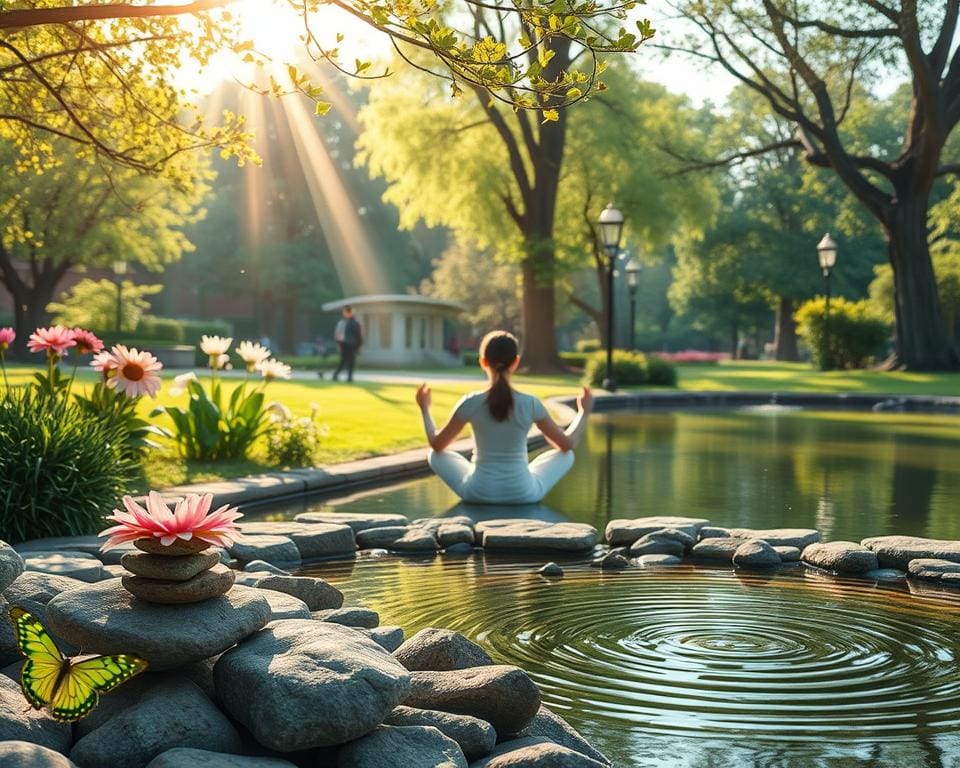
<point x="181" y="572"/>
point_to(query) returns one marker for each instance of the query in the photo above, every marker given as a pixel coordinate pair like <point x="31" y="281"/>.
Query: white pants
<point x="501" y="483"/>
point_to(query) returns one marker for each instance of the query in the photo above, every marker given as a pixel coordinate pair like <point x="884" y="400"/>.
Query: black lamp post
<point x="827" y="255"/>
<point x="610" y="228"/>
<point x="119" y="270"/>
<point x="633" y="281"/>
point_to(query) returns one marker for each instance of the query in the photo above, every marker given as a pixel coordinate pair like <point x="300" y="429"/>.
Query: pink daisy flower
<point x="87" y="342"/>
<point x="191" y="518"/>
<point x="103" y="362"/>
<point x="133" y="372"/>
<point x="54" y="340"/>
<point x="7" y="335"/>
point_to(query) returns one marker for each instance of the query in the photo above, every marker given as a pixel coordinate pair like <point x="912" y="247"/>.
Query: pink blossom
<point x="87" y="342"/>
<point x="190" y="518"/>
<point x="7" y="335"/>
<point x="103" y="362"/>
<point x="54" y="340"/>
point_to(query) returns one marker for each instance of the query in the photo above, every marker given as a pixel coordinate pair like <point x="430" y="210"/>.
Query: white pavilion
<point x="403" y="329"/>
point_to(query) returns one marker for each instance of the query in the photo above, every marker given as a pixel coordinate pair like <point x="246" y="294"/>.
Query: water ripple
<point x="692" y="652"/>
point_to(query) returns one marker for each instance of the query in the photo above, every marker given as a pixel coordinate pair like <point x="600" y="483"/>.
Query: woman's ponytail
<point x="499" y="350"/>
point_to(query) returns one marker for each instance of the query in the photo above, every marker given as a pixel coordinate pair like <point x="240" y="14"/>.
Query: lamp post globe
<point x="610" y="230"/>
<point x="827" y="257"/>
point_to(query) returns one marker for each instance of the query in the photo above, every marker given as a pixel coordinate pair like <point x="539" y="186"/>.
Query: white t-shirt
<point x="500" y="441"/>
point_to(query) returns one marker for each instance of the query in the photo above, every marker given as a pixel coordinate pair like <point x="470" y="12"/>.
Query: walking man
<point x="349" y="336"/>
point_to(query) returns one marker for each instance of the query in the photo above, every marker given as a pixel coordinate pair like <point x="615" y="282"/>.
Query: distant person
<point x="349" y="337"/>
<point x="500" y="417"/>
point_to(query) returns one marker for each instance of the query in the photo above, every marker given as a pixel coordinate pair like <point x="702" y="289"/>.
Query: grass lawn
<point x="368" y="419"/>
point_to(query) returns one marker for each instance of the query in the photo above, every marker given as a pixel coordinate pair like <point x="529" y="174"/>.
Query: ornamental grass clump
<point x="215" y="425"/>
<point x="66" y="458"/>
<point x="61" y="468"/>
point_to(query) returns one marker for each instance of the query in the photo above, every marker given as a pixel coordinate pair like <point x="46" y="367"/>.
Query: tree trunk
<point x="923" y="343"/>
<point x="785" y="333"/>
<point x="539" y="312"/>
<point x="735" y="340"/>
<point x="29" y="313"/>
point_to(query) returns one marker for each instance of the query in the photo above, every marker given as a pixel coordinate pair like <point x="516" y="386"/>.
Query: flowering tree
<point x="56" y="60"/>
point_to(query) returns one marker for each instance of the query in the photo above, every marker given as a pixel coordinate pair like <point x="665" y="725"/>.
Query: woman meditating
<point x="500" y="418"/>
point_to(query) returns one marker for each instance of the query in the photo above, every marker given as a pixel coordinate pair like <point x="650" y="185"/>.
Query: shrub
<point x="856" y="333"/>
<point x="293" y="442"/>
<point x="660" y="372"/>
<point x="588" y="345"/>
<point x="629" y="368"/>
<point x="61" y="469"/>
<point x="471" y="358"/>
<point x="575" y="359"/>
<point x="161" y="329"/>
<point x="93" y="304"/>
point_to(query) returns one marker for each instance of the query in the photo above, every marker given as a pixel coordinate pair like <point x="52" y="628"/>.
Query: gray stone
<point x="74" y="565"/>
<point x="304" y="684"/>
<point x="415" y="540"/>
<point x="105" y="618"/>
<point x="454" y="533"/>
<point x="359" y="522"/>
<point x="788" y="554"/>
<point x="173" y="713"/>
<point x="23" y="754"/>
<point x="536" y="535"/>
<point x="885" y="574"/>
<point x="204" y="586"/>
<point x="278" y="550"/>
<point x="263" y="566"/>
<point x="414" y="746"/>
<point x="169" y="568"/>
<point x="655" y="544"/>
<point x="114" y="571"/>
<point x="284" y="606"/>
<point x="9" y="650"/>
<point x="313" y="540"/>
<point x="89" y="544"/>
<point x="716" y="548"/>
<point x="316" y="593"/>
<point x="503" y="695"/>
<point x="458" y="549"/>
<point x="389" y="638"/>
<point x="551" y="571"/>
<point x="186" y="757"/>
<point x="11" y="565"/>
<point x="434" y="523"/>
<point x="932" y="569"/>
<point x="547" y="724"/>
<point x="20" y="722"/>
<point x="476" y="737"/>
<point x="628" y="531"/>
<point x="611" y="561"/>
<point x="756" y="554"/>
<point x="898" y="551"/>
<point x="676" y="534"/>
<point x="841" y="557"/>
<point x="655" y="561"/>
<point x="178" y="548"/>
<point x="775" y="537"/>
<point x="534" y="752"/>
<point x="251" y="578"/>
<point x="434" y="649"/>
<point x="39" y="587"/>
<point x="349" y="617"/>
<point x="374" y="538"/>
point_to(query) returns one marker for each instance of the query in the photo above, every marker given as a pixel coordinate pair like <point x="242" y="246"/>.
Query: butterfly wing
<point x="87" y="678"/>
<point x="41" y="670"/>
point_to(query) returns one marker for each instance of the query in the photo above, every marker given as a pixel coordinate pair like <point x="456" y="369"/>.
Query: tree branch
<point x="35" y="17"/>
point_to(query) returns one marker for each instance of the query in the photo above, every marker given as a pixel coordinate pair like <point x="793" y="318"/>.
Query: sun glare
<point x="277" y="33"/>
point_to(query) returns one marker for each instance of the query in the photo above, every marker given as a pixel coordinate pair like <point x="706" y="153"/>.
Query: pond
<point x="695" y="667"/>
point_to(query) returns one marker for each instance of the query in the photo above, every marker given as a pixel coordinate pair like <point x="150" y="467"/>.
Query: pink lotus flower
<point x="87" y="342"/>
<point x="54" y="341"/>
<point x="191" y="518"/>
<point x="133" y="372"/>
<point x="7" y="335"/>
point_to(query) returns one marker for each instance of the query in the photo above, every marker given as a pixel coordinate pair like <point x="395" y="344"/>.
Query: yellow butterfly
<point x="68" y="687"/>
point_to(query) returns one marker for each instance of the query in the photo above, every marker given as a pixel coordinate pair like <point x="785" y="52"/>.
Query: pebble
<point x="551" y="571"/>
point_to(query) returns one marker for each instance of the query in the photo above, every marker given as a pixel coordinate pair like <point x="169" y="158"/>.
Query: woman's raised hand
<point x="585" y="400"/>
<point x="423" y="396"/>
